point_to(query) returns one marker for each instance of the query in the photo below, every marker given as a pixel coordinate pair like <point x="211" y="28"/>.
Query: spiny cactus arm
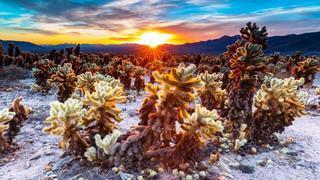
<point x="5" y="117"/>
<point x="204" y="122"/>
<point x="107" y="142"/>
<point x="91" y="154"/>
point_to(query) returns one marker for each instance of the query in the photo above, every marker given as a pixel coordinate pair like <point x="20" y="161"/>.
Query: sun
<point x="153" y="39"/>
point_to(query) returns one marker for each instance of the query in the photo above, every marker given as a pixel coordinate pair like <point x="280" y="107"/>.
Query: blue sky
<point x="89" y="21"/>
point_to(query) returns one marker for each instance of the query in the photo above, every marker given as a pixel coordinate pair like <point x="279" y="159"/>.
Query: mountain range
<point x="308" y="43"/>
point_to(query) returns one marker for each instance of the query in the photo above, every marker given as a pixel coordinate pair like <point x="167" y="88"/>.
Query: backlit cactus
<point x="64" y="120"/>
<point x="201" y="126"/>
<point x="306" y="69"/>
<point x="43" y="70"/>
<point x="154" y="136"/>
<point x="139" y="73"/>
<point x="102" y="106"/>
<point x="65" y="79"/>
<point x="276" y="107"/>
<point x="212" y="96"/>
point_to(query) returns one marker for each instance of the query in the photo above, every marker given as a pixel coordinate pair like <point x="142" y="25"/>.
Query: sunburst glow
<point x="153" y="39"/>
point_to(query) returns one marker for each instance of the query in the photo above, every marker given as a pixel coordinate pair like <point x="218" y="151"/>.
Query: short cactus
<point x="277" y="106"/>
<point x="65" y="79"/>
<point x="102" y="106"/>
<point x="64" y="121"/>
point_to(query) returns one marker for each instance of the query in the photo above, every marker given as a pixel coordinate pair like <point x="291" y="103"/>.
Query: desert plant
<point x="86" y="81"/>
<point x="126" y="70"/>
<point x="306" y="69"/>
<point x="89" y="67"/>
<point x="252" y="33"/>
<point x="276" y="108"/>
<point x="64" y="121"/>
<point x="201" y="126"/>
<point x="5" y="117"/>
<point x="211" y="95"/>
<point x="21" y="114"/>
<point x="148" y="105"/>
<point x="247" y="65"/>
<point x="43" y="70"/>
<point x="138" y="74"/>
<point x="174" y="95"/>
<point x="102" y="107"/>
<point x="65" y="79"/>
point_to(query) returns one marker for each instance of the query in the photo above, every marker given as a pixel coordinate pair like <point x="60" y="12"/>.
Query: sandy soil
<point x="39" y="157"/>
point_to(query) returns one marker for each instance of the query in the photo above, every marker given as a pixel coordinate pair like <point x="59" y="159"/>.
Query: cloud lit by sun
<point x="153" y="39"/>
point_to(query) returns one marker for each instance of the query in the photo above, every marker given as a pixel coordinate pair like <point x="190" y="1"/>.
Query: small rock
<point x="234" y="165"/>
<point x="269" y="162"/>
<point x="125" y="176"/>
<point x="27" y="165"/>
<point x="284" y="150"/>
<point x="262" y="162"/>
<point x="239" y="158"/>
<point x="48" y="168"/>
<point x="246" y="167"/>
<point x="253" y="150"/>
<point x="48" y="152"/>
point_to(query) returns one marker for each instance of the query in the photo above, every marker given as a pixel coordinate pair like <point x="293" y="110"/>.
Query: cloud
<point x="190" y="20"/>
<point x="36" y="31"/>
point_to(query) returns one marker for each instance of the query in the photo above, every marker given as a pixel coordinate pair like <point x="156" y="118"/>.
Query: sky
<point x="123" y="21"/>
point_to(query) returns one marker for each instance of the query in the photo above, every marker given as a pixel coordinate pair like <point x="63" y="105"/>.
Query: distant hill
<point x="308" y="43"/>
<point x="25" y="46"/>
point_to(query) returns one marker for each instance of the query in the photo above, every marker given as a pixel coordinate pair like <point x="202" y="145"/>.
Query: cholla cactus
<point x="91" y="154"/>
<point x="306" y="69"/>
<point x="174" y="94"/>
<point x="89" y="67"/>
<point x="87" y="80"/>
<point x="65" y="79"/>
<point x="5" y="117"/>
<point x="241" y="140"/>
<point x="21" y="114"/>
<point x="126" y="71"/>
<point x="64" y="121"/>
<point x="201" y="126"/>
<point x="107" y="142"/>
<point x="247" y="67"/>
<point x="179" y="82"/>
<point x="148" y="105"/>
<point x="247" y="62"/>
<point x="44" y="69"/>
<point x="212" y="96"/>
<point x="139" y="73"/>
<point x="277" y="106"/>
<point x="252" y="33"/>
<point x="102" y="106"/>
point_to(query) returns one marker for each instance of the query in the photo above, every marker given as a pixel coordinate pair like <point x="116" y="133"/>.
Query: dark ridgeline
<point x="308" y="43"/>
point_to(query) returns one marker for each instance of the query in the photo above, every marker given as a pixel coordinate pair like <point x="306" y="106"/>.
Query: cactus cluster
<point x="211" y="95"/>
<point x="65" y="79"/>
<point x="81" y="122"/>
<point x="43" y="70"/>
<point x="276" y="107"/>
<point x="306" y="69"/>
<point x="157" y="135"/>
<point x="11" y="121"/>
